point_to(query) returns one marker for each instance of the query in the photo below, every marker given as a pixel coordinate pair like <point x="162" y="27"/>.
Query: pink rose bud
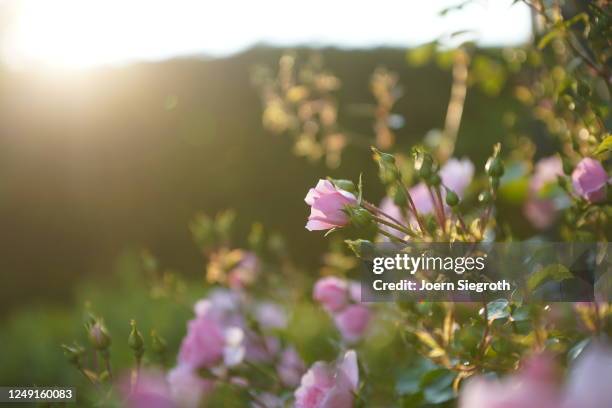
<point x="332" y="293"/>
<point x="589" y="180"/>
<point x="353" y="322"/>
<point x="329" y="385"/>
<point x="326" y="206"/>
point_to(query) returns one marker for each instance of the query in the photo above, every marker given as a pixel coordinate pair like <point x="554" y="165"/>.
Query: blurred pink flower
<point x="589" y="179"/>
<point x="204" y="343"/>
<point x="352" y="322"/>
<point x="326" y="206"/>
<point x="455" y="174"/>
<point x="150" y="391"/>
<point x="540" y="211"/>
<point x="290" y="367"/>
<point x="332" y="293"/>
<point x="545" y="172"/>
<point x="588" y="384"/>
<point x="532" y="387"/>
<point x="329" y="386"/>
<point x="270" y="316"/>
<point x="187" y="387"/>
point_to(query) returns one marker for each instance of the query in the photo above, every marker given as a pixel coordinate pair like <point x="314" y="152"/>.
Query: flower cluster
<point x="341" y="299"/>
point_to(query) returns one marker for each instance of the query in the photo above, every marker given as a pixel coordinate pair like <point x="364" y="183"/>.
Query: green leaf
<point x="437" y="386"/>
<point x="497" y="309"/>
<point x="604" y="147"/>
<point x="553" y="272"/>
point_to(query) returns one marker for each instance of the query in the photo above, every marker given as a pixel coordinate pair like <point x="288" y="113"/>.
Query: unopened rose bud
<point x="73" y="353"/>
<point x="452" y="199"/>
<point x="98" y="335"/>
<point x="135" y="340"/>
<point x="423" y="164"/>
<point x="494" y="167"/>
<point x="387" y="170"/>
<point x="361" y="247"/>
<point x="158" y="345"/>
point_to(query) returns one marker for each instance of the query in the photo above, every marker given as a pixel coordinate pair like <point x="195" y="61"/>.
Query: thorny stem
<point x="394" y="226"/>
<point x="371" y="207"/>
<point x="439" y="217"/>
<point x="442" y="213"/>
<point x="415" y="212"/>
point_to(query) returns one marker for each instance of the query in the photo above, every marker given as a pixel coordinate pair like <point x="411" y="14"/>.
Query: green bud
<point x="387" y="170"/>
<point x="362" y="248"/>
<point x="452" y="199"/>
<point x="360" y="217"/>
<point x="485" y="198"/>
<point x="98" y="335"/>
<point x="434" y="180"/>
<point x="346" y="185"/>
<point x="135" y="340"/>
<point x="73" y="353"/>
<point x="494" y="167"/>
<point x="423" y="165"/>
<point x="158" y="345"/>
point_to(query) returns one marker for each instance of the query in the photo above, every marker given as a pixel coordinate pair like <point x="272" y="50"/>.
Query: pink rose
<point x="532" y="387"/>
<point x="589" y="380"/>
<point x="290" y="367"/>
<point x="187" y="387"/>
<point x="353" y="322"/>
<point x="332" y="293"/>
<point x="589" y="180"/>
<point x="326" y="206"/>
<point x="329" y="386"/>
<point x="204" y="343"/>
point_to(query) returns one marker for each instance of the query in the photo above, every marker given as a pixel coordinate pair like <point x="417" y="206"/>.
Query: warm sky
<point x="82" y="33"/>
